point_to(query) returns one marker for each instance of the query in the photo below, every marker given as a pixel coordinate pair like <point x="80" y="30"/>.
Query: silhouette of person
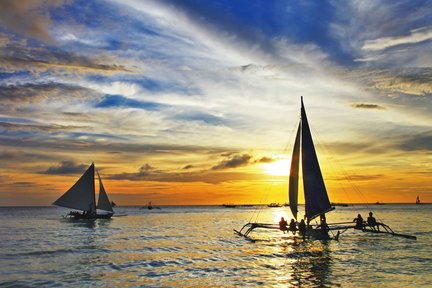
<point x="292" y="226"/>
<point x="323" y="226"/>
<point x="302" y="228"/>
<point x="371" y="221"/>
<point x="359" y="222"/>
<point x="283" y="225"/>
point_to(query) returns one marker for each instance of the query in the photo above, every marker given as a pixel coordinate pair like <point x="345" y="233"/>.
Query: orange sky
<point x="198" y="103"/>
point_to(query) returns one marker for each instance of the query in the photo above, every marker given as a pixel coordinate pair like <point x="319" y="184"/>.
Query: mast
<point x="81" y="195"/>
<point x="316" y="198"/>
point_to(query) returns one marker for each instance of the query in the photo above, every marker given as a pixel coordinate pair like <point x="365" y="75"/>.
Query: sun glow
<point x="278" y="168"/>
<point x="278" y="214"/>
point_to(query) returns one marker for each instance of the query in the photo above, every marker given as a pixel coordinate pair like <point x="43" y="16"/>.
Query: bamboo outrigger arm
<point x="249" y="227"/>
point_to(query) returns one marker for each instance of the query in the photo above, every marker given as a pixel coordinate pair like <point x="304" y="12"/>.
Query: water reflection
<point x="310" y="264"/>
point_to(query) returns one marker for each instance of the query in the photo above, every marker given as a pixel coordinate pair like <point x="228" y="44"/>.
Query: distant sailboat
<point x="418" y="200"/>
<point x="81" y="196"/>
<point x="317" y="202"/>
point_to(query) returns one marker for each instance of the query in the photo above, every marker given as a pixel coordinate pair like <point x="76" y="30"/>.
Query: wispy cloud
<point x="415" y="36"/>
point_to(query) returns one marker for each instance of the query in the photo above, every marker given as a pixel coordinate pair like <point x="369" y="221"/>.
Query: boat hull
<point x="81" y="216"/>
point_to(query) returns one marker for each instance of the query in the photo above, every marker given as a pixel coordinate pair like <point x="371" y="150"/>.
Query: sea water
<point x="196" y="247"/>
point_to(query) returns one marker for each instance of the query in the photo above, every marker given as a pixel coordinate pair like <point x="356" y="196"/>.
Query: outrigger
<point x="317" y="202"/>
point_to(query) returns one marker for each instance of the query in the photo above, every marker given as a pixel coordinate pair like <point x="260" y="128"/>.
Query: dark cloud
<point x="233" y="162"/>
<point x="5" y="155"/>
<point x="66" y="167"/>
<point x="368" y="106"/>
<point x="143" y="172"/>
<point x="16" y="57"/>
<point x="188" y="167"/>
<point x="35" y="127"/>
<point x="265" y="160"/>
<point x="30" y="93"/>
<point x="418" y="142"/>
<point x="149" y="173"/>
<point x="28" y="17"/>
<point x="23" y="183"/>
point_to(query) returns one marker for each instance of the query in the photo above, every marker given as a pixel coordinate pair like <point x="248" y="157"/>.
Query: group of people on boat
<point x="293" y="226"/>
<point x="361" y="224"/>
<point x="323" y="227"/>
<point x="84" y="214"/>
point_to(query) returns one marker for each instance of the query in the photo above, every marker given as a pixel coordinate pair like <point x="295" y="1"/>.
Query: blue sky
<point x="174" y="84"/>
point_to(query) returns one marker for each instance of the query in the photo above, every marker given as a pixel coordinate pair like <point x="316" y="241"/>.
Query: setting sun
<point x="278" y="168"/>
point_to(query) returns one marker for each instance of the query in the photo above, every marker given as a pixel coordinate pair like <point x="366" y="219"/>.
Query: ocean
<point x="195" y="246"/>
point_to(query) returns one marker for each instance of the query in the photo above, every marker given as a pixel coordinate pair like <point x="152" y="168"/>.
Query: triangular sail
<point x="316" y="198"/>
<point x="103" y="201"/>
<point x="81" y="195"/>
<point x="294" y="175"/>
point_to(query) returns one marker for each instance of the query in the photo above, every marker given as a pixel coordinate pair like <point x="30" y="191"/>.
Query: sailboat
<point x="418" y="200"/>
<point x="317" y="202"/>
<point x="82" y="197"/>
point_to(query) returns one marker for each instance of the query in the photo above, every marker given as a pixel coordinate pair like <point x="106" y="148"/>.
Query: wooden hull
<point x="81" y="216"/>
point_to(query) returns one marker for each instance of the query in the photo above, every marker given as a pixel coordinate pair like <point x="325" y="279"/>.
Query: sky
<point x="197" y="102"/>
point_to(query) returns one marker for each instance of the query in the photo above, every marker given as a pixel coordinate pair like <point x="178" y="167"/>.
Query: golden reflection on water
<point x="196" y="247"/>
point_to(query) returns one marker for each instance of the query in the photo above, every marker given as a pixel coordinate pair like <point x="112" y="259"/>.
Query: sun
<point x="278" y="168"/>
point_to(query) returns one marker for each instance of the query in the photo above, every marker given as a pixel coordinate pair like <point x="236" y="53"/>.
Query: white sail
<point x="81" y="195"/>
<point x="103" y="201"/>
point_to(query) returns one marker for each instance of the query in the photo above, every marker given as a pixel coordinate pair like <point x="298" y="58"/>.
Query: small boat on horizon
<point x="274" y="205"/>
<point x="82" y="197"/>
<point x="340" y="204"/>
<point x="418" y="200"/>
<point x="229" y="205"/>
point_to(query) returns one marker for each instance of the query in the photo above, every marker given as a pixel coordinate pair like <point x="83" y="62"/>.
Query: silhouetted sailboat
<point x="317" y="201"/>
<point x="82" y="197"/>
<point x="418" y="200"/>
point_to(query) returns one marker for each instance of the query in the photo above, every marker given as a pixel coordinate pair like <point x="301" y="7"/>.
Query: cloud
<point x="368" y="106"/>
<point x="31" y="93"/>
<point x="66" y="167"/>
<point x="28" y="17"/>
<point x="24" y="183"/>
<point x="413" y="81"/>
<point x="16" y="57"/>
<point x="417" y="142"/>
<point x="37" y="127"/>
<point x="189" y="166"/>
<point x="359" y="177"/>
<point x="415" y="36"/>
<point x="149" y="173"/>
<point x="233" y="162"/>
<point x="265" y="160"/>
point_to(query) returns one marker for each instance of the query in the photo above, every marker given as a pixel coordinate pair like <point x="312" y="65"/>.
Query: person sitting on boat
<point x="323" y="226"/>
<point x="359" y="222"/>
<point x="302" y="228"/>
<point x="283" y="225"/>
<point x="371" y="221"/>
<point x="292" y="226"/>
